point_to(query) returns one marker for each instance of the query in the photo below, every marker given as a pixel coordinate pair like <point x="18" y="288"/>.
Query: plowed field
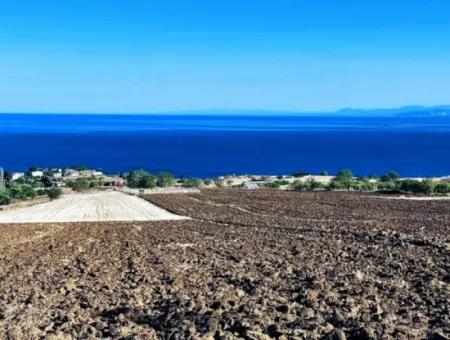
<point x="249" y="264"/>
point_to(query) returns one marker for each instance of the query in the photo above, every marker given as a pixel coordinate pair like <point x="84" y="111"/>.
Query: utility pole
<point x="2" y="179"/>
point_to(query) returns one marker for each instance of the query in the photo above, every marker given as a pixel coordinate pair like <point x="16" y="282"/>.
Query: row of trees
<point x="24" y="193"/>
<point x="390" y="181"/>
<point x="145" y="180"/>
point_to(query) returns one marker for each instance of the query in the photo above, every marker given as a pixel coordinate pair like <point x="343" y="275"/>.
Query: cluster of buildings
<point x="57" y="173"/>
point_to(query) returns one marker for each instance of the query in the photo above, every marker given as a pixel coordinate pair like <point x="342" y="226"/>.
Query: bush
<point x="442" y="188"/>
<point x="192" y="183"/>
<point x="22" y="192"/>
<point x="143" y="179"/>
<point x="46" y="181"/>
<point x="390" y="177"/>
<point x="363" y="185"/>
<point x="276" y="184"/>
<point x="79" y="184"/>
<point x="343" y="180"/>
<point x="417" y="187"/>
<point x="307" y="186"/>
<point x="29" y="192"/>
<point x="54" y="193"/>
<point x="4" y="198"/>
<point x="337" y="185"/>
<point x="389" y="186"/>
<point x="164" y="179"/>
<point x="272" y="185"/>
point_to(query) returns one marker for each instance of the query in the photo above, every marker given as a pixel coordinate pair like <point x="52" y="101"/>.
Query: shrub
<point x="337" y="185"/>
<point x="192" y="183"/>
<point x="390" y="176"/>
<point x="41" y="192"/>
<point x="307" y="185"/>
<point x="54" y="193"/>
<point x="79" y="184"/>
<point x="389" y="186"/>
<point x="368" y="186"/>
<point x="46" y="181"/>
<point x="141" y="179"/>
<point x="164" y="179"/>
<point x="442" y="188"/>
<point x="4" y="198"/>
<point x="29" y="192"/>
<point x="324" y="173"/>
<point x="16" y="192"/>
<point x="417" y="187"/>
<point x="272" y="185"/>
<point x="22" y="192"/>
<point x="343" y="180"/>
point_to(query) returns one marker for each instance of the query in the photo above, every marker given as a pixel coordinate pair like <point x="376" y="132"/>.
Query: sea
<point x="202" y="145"/>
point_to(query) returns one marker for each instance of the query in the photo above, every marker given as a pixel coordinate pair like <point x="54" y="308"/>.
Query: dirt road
<point x="89" y="207"/>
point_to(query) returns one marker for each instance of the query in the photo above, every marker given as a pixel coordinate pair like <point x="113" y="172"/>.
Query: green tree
<point x="417" y="187"/>
<point x="147" y="182"/>
<point x="342" y="180"/>
<point x="141" y="179"/>
<point x="5" y="198"/>
<point x="192" y="183"/>
<point x="79" y="184"/>
<point x="390" y="176"/>
<point x="46" y="181"/>
<point x="442" y="188"/>
<point x="164" y="179"/>
<point x="29" y="192"/>
<point x="54" y="193"/>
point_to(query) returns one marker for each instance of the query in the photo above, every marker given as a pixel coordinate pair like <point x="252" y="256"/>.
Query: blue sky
<point x="152" y="56"/>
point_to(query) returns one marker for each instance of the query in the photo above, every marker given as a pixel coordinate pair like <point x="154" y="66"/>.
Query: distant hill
<point x="406" y="111"/>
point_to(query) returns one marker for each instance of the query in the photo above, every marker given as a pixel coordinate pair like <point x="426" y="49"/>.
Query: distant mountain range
<point x="406" y="111"/>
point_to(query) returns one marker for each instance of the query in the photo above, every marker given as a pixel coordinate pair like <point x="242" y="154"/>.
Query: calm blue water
<point x="208" y="146"/>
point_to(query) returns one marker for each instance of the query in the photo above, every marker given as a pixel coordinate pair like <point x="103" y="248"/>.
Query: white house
<point x="37" y="173"/>
<point x="71" y="173"/>
<point x="16" y="175"/>
<point x="251" y="185"/>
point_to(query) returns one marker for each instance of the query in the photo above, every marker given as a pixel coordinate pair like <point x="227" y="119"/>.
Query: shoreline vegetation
<point x="38" y="182"/>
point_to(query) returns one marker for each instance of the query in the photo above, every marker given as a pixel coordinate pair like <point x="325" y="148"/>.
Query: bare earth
<point x="89" y="207"/>
<point x="248" y="264"/>
<point x="417" y="198"/>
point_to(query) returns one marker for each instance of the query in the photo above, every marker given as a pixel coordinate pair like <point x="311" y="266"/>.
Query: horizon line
<point x="345" y="110"/>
